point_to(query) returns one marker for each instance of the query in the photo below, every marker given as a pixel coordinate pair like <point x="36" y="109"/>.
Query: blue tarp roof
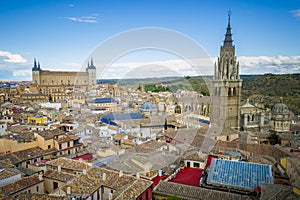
<point x="103" y="100"/>
<point x="147" y="106"/>
<point x="122" y="116"/>
<point x="203" y="121"/>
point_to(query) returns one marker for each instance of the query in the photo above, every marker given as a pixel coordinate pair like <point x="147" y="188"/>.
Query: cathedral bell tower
<point x="226" y="85"/>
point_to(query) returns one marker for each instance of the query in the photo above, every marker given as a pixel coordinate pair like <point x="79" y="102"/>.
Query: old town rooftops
<point x="69" y="164"/>
<point x="60" y="176"/>
<point x="35" y="152"/>
<point x="50" y="134"/>
<point x="125" y="186"/>
<point x="193" y="193"/>
<point x="19" y="185"/>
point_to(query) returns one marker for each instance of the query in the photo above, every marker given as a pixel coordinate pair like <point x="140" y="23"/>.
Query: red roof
<point x="188" y="176"/>
<point x="157" y="179"/>
<point x="210" y="157"/>
<point x="84" y="156"/>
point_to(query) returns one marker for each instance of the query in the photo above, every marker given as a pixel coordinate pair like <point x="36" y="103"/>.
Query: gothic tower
<point x="91" y="69"/>
<point x="36" y="73"/>
<point x="226" y="85"/>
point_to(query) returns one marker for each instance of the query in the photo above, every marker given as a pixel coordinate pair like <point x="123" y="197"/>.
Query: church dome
<point x="280" y="108"/>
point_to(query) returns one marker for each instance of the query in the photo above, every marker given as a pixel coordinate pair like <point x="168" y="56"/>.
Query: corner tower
<point x="91" y="69"/>
<point x="226" y="85"/>
<point x="36" y="73"/>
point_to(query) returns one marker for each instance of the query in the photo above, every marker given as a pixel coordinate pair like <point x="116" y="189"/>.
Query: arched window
<point x="234" y="91"/>
<point x="229" y="91"/>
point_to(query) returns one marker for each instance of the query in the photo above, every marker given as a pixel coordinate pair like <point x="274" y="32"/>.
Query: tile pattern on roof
<point x="69" y="164"/>
<point x="60" y="176"/>
<point x="194" y="193"/>
<point x="20" y="185"/>
<point x="126" y="185"/>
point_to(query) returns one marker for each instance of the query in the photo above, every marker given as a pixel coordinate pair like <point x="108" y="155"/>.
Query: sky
<point x="63" y="35"/>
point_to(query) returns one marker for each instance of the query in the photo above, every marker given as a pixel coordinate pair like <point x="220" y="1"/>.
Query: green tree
<point x="173" y="197"/>
<point x="273" y="139"/>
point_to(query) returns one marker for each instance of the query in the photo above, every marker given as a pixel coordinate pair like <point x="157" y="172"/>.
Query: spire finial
<point x="228" y="36"/>
<point x="92" y="64"/>
<point x="229" y="14"/>
<point x="34" y="62"/>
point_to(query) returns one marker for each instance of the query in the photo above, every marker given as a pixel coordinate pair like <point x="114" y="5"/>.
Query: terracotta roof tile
<point x="193" y="193"/>
<point x="69" y="164"/>
<point x="17" y="186"/>
<point x="60" y="176"/>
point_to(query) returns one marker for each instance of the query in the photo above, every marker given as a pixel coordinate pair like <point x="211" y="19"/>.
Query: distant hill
<point x="269" y="88"/>
<point x="266" y="89"/>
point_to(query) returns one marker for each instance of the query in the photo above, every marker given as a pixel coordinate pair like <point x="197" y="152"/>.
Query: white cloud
<point x="22" y="73"/>
<point x="296" y="13"/>
<point x="269" y="64"/>
<point x="85" y="19"/>
<point x="71" y="5"/>
<point x="167" y="68"/>
<point x="12" y="58"/>
<point x="180" y="67"/>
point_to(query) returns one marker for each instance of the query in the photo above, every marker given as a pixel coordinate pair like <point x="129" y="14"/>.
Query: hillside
<point x="266" y="89"/>
<point x="269" y="88"/>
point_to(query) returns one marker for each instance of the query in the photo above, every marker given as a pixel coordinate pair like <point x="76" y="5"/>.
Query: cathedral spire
<point x="92" y="64"/>
<point x="34" y="63"/>
<point x="35" y="68"/>
<point x="39" y="66"/>
<point x="228" y="36"/>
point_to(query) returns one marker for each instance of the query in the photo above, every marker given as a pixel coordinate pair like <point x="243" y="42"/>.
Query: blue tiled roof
<point x="203" y="121"/>
<point x="147" y="106"/>
<point x="122" y="116"/>
<point x="103" y="100"/>
<point x="239" y="174"/>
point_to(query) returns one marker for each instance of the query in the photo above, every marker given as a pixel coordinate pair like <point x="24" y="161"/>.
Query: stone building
<point x="60" y="84"/>
<point x="63" y="78"/>
<point x="226" y="85"/>
<point x="252" y="118"/>
<point x="280" y="119"/>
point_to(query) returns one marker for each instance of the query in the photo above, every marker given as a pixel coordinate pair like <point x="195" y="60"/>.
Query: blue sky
<point x="62" y="34"/>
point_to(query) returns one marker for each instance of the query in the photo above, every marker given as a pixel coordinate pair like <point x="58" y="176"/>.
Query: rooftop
<point x="193" y="193"/>
<point x="239" y="174"/>
<point x="188" y="176"/>
<point x="19" y="185"/>
<point x="104" y="100"/>
<point x="31" y="153"/>
<point x="123" y="116"/>
<point x="60" y="176"/>
<point x="69" y="164"/>
<point x="8" y="172"/>
<point x="125" y="186"/>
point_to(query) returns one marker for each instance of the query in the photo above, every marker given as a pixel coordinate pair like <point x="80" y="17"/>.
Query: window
<point x="196" y="165"/>
<point x="60" y="146"/>
<point x="68" y="144"/>
<point x="37" y="188"/>
<point x="55" y="185"/>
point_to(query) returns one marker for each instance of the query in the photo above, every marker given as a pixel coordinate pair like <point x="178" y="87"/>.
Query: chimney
<point x="160" y="172"/>
<point x="138" y="175"/>
<point x="110" y="196"/>
<point x="104" y="177"/>
<point x="40" y="176"/>
<point x="59" y="169"/>
<point x="120" y="173"/>
<point x="68" y="190"/>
